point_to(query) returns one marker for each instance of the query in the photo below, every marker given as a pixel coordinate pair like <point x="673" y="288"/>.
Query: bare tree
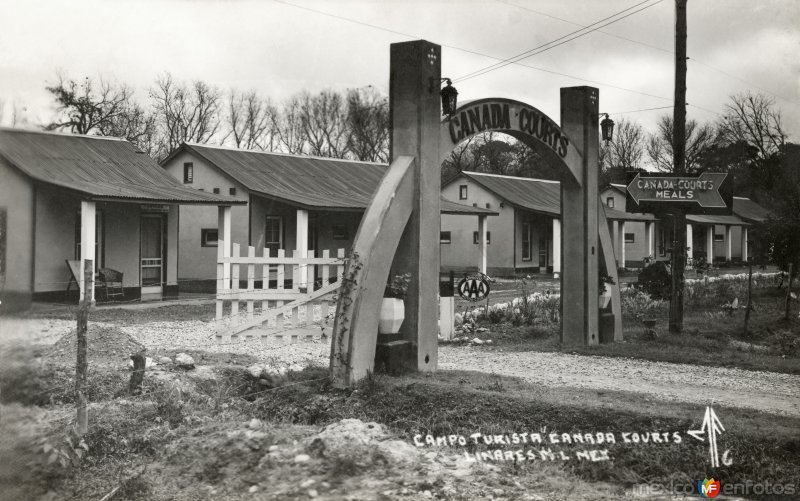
<point x="660" y="144"/>
<point x="87" y="106"/>
<point x="368" y="125"/>
<point x="624" y="153"/>
<point x="250" y="121"/>
<point x="287" y="124"/>
<point x="754" y="120"/>
<point x="185" y="113"/>
<point x="135" y="124"/>
<point x="323" y="119"/>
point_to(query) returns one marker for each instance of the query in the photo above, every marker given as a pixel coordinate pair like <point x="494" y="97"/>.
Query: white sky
<point x="279" y="49"/>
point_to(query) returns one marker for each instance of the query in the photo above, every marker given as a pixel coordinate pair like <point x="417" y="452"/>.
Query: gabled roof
<point x="749" y="211"/>
<point x="100" y="168"/>
<point x="537" y="195"/>
<point x="311" y="182"/>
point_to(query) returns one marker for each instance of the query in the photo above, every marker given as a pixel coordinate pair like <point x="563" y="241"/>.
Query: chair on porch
<point x="111" y="282"/>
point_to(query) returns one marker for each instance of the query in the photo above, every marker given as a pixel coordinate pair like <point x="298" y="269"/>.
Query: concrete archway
<point x="400" y="228"/>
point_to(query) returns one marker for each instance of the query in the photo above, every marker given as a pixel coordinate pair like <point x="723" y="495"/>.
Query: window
<point x="527" y="242"/>
<point x="216" y="191"/>
<point x="610" y="202"/>
<point x="502" y="205"/>
<point x="488" y="205"/>
<point x="462" y="192"/>
<point x="232" y="191"/>
<point x="719" y="237"/>
<point x="188" y="172"/>
<point x="340" y="232"/>
<point x="476" y="237"/>
<point x="209" y="237"/>
<point x="630" y="238"/>
<point x="444" y="237"/>
<point x="273" y="234"/>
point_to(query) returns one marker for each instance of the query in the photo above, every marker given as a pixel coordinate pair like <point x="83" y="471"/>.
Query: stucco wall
<point x="17" y="199"/>
<point x="462" y="252"/>
<point x="56" y="215"/>
<point x="195" y="261"/>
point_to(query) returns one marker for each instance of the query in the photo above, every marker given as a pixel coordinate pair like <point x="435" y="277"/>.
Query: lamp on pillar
<point x="449" y="96"/>
<point x="607" y="128"/>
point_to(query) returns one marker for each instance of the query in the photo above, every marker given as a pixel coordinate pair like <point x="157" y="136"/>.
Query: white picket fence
<point x="276" y="312"/>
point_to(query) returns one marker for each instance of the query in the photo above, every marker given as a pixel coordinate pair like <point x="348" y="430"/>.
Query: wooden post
<point x="82" y="364"/>
<point x="137" y="377"/>
<point x="749" y="297"/>
<point x="788" y="293"/>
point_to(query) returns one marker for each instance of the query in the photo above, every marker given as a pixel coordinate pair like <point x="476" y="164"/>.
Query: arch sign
<point x="399" y="232"/>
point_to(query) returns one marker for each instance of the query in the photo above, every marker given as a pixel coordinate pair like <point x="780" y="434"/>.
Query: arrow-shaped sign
<point x="712" y="427"/>
<point x="703" y="189"/>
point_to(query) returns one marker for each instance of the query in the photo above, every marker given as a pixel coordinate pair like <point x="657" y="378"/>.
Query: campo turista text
<point x="551" y="438"/>
<point x="497" y="116"/>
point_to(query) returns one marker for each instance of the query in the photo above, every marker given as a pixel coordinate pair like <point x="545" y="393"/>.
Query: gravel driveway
<point x="765" y="391"/>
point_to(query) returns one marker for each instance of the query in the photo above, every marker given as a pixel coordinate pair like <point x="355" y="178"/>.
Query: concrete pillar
<point x="622" y="244"/>
<point x="615" y="237"/>
<point x="689" y="241"/>
<point x="447" y="317"/>
<point x="580" y="316"/>
<point x="224" y="245"/>
<point x="482" y="234"/>
<point x="556" y="247"/>
<point x="649" y="231"/>
<point x="88" y="214"/>
<point x="744" y="244"/>
<point x="710" y="244"/>
<point x="301" y="245"/>
<point x="414" y="83"/>
<point x="728" y="250"/>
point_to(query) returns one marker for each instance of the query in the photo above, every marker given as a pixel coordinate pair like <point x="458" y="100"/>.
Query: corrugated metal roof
<point x="707" y="219"/>
<point x="537" y="195"/>
<point x="100" y="167"/>
<point x="628" y="216"/>
<point x="312" y="182"/>
<point x="749" y="210"/>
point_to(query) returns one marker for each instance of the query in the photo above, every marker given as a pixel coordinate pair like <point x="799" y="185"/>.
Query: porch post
<point x="710" y="244"/>
<point x="649" y="232"/>
<point x="224" y="247"/>
<point x="744" y="244"/>
<point x="622" y="244"/>
<point x="88" y="211"/>
<point x="556" y="247"/>
<point x="615" y="237"/>
<point x="301" y="244"/>
<point x="728" y="250"/>
<point x="482" y="233"/>
<point x="689" y="240"/>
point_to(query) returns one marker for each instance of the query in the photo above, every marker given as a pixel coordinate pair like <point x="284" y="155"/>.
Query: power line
<point x="637" y="111"/>
<point x="474" y="52"/>
<point x="650" y="46"/>
<point x="561" y="41"/>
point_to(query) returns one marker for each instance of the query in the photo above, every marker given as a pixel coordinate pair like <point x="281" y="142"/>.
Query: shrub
<point x="656" y="280"/>
<point x="639" y="304"/>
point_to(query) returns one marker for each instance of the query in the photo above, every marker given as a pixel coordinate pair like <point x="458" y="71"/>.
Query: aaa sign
<point x="473" y="288"/>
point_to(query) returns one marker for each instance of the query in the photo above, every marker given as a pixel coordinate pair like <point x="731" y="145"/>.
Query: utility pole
<point x="679" y="157"/>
